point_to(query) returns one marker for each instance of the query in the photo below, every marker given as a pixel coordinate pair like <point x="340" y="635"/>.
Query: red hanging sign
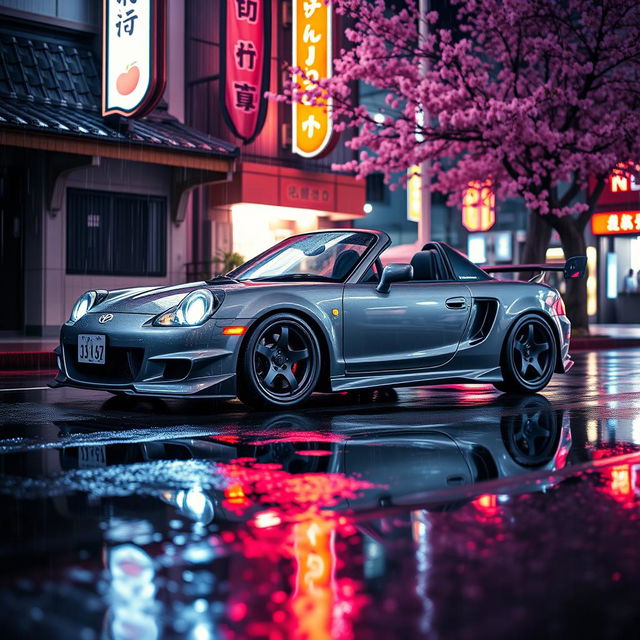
<point x="134" y="38"/>
<point x="246" y="45"/>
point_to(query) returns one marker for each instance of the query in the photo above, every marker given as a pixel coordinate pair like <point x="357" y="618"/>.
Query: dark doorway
<point x="12" y="204"/>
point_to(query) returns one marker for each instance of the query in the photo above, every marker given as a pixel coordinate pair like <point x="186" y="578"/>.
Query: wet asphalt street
<point x="441" y="513"/>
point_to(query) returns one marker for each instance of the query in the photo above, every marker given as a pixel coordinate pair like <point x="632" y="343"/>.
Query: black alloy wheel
<point x="280" y="366"/>
<point x="528" y="357"/>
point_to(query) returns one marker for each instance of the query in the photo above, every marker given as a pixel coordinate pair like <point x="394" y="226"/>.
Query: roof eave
<point x="130" y="150"/>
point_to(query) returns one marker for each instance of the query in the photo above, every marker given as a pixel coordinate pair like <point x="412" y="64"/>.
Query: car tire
<point x="280" y="363"/>
<point x="528" y="356"/>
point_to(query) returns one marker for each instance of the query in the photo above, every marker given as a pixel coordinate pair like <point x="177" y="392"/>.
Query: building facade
<point x="274" y="192"/>
<point x="94" y="202"/>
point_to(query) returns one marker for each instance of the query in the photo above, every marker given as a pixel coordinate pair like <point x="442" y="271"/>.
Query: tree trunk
<point x="573" y="244"/>
<point x="537" y="242"/>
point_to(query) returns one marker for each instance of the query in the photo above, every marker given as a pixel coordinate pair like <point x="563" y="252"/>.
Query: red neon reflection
<point x="314" y="452"/>
<point x="300" y="436"/>
<point x="287" y="526"/>
<point x="235" y="495"/>
<point x="621" y="485"/>
<point x="312" y="602"/>
<point x="267" y="519"/>
<point x="487" y="504"/>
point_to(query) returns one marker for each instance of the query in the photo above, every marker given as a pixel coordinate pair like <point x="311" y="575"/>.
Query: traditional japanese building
<point x="86" y="201"/>
<point x="125" y="164"/>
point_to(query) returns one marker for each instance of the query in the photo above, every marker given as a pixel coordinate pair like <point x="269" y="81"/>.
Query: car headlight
<point x="82" y="305"/>
<point x="194" y="309"/>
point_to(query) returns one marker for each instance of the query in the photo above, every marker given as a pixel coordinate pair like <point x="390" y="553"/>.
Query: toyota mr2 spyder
<point x="319" y="312"/>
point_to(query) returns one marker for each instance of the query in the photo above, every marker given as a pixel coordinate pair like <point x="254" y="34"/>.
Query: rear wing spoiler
<point x="575" y="267"/>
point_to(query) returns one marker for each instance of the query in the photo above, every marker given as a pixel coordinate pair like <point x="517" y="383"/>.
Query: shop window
<point x="116" y="233"/>
<point x="376" y="189"/>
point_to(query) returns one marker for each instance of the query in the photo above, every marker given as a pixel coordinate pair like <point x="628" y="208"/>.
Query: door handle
<point x="456" y="303"/>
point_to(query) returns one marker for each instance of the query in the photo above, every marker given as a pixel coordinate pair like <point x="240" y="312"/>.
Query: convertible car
<point x="319" y="312"/>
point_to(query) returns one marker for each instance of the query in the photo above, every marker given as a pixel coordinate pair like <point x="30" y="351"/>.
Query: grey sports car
<point x="319" y="312"/>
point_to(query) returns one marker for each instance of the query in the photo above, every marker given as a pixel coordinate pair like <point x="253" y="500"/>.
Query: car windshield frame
<point x="256" y="269"/>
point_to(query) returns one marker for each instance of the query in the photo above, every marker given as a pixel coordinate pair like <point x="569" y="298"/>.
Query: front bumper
<point x="141" y="359"/>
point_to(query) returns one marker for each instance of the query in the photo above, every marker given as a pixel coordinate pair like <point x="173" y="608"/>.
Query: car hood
<point x="147" y="300"/>
<point x="154" y="300"/>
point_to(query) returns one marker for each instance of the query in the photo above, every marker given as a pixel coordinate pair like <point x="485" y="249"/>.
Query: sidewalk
<point x="22" y="354"/>
<point x="608" y="336"/>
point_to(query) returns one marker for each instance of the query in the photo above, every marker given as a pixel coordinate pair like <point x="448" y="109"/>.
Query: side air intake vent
<point x="483" y="315"/>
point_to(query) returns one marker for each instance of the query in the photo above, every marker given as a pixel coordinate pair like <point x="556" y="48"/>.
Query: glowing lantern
<point x="478" y="207"/>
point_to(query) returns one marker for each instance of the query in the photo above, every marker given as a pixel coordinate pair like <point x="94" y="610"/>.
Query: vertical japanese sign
<point x="312" y="52"/>
<point x="133" y="56"/>
<point x="245" y="34"/>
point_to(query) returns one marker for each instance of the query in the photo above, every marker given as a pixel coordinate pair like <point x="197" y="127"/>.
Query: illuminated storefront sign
<point x="414" y="194"/>
<point x="133" y="56"/>
<point x="621" y="188"/>
<point x="312" y="52"/>
<point x="478" y="207"/>
<point x="615" y="223"/>
<point x="297" y="193"/>
<point x="623" y="183"/>
<point x="245" y="29"/>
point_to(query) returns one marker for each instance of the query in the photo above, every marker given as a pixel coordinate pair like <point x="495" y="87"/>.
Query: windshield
<point x="325" y="257"/>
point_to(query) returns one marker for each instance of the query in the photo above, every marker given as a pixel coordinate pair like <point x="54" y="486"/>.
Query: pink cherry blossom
<point x="537" y="96"/>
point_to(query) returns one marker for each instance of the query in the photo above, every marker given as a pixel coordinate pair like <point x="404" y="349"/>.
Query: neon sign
<point x="245" y="45"/>
<point x="623" y="178"/>
<point x="478" y="207"/>
<point x="621" y="188"/>
<point x="133" y="56"/>
<point x="312" y="52"/>
<point x="614" y="223"/>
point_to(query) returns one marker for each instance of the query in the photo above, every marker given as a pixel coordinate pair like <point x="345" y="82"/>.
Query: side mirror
<point x="396" y="272"/>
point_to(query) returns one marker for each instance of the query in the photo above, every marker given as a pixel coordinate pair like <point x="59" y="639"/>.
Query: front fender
<point x="321" y="306"/>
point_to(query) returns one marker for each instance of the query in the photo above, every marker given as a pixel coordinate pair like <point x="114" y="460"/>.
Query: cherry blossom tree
<point x="541" y="97"/>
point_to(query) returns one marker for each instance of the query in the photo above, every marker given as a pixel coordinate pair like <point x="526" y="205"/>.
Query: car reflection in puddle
<point x="458" y="529"/>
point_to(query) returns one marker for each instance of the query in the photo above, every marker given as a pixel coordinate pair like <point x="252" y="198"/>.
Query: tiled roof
<point x="55" y="88"/>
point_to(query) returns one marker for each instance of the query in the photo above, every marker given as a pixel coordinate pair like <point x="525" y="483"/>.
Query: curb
<point x="601" y="343"/>
<point x="27" y="361"/>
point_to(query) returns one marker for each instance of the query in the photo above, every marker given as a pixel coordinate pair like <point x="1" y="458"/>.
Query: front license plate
<point x="91" y="457"/>
<point x="91" y="348"/>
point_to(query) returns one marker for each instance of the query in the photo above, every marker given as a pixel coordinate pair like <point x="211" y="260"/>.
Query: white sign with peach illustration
<point x="127" y="55"/>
